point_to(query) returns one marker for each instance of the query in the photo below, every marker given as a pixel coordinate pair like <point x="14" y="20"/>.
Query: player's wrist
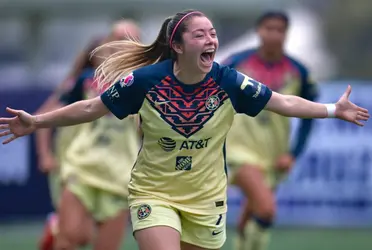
<point x="37" y="121"/>
<point x="331" y="110"/>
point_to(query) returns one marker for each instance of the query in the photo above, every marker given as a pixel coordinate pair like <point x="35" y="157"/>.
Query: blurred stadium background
<point x="325" y="204"/>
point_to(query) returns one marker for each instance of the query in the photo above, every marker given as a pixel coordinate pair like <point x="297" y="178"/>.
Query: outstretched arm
<point x="23" y="123"/>
<point x="294" y="106"/>
<point x="76" y="113"/>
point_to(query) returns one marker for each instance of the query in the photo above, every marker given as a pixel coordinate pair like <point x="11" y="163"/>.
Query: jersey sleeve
<point x="126" y="96"/>
<point x="75" y="93"/>
<point x="247" y="95"/>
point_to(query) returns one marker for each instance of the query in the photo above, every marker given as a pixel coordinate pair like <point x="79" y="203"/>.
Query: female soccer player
<point x="51" y="159"/>
<point x="186" y="103"/>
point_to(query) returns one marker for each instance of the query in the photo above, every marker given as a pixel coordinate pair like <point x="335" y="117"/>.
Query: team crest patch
<point x="143" y="211"/>
<point x="212" y="103"/>
<point x="127" y="81"/>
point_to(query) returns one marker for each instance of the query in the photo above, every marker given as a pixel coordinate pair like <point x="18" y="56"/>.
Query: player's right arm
<point x="121" y="99"/>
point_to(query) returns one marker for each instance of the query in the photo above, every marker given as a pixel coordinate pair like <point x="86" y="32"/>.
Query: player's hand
<point x="47" y="163"/>
<point x="284" y="162"/>
<point x="348" y="111"/>
<point x="20" y="125"/>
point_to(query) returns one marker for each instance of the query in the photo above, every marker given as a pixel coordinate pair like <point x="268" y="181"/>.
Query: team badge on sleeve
<point x="127" y="81"/>
<point x="143" y="211"/>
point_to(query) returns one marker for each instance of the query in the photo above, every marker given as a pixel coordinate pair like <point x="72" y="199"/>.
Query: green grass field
<point x="24" y="237"/>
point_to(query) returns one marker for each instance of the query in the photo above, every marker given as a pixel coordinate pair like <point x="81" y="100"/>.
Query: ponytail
<point x="131" y="55"/>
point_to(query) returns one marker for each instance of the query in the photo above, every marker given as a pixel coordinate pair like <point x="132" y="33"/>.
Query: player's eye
<point x="213" y="34"/>
<point x="199" y="35"/>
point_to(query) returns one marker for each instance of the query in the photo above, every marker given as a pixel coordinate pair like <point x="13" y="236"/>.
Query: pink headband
<point x="178" y="24"/>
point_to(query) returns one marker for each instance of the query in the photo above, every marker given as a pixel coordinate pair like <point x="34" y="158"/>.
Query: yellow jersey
<point x="182" y="159"/>
<point x="102" y="153"/>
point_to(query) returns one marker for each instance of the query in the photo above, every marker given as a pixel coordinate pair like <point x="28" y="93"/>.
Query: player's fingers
<point x="362" y="109"/>
<point x="6" y="120"/>
<point x="13" y="111"/>
<point x="347" y="92"/>
<point x="5" y="133"/>
<point x="4" y="126"/>
<point x="358" y="123"/>
<point x="10" y="139"/>
<point x="362" y="116"/>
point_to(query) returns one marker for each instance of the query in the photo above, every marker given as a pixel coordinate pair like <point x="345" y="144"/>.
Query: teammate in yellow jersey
<point x="50" y="154"/>
<point x="186" y="103"/>
<point x="258" y="151"/>
<point x="51" y="160"/>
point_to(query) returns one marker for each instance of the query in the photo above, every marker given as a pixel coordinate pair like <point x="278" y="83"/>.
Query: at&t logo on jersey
<point x="212" y="103"/>
<point x="183" y="163"/>
<point x="168" y="144"/>
<point x="197" y="144"/>
<point x="127" y="81"/>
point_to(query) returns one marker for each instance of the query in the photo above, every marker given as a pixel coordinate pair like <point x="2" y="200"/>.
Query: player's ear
<point x="177" y="48"/>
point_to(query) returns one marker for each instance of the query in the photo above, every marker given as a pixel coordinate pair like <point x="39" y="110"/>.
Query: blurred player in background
<point x="258" y="149"/>
<point x="50" y="159"/>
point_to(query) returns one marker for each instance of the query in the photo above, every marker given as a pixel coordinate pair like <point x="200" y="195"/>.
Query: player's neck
<point x="186" y="76"/>
<point x="270" y="55"/>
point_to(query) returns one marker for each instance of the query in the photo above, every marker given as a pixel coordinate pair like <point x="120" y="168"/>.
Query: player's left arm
<point x="250" y="97"/>
<point x="295" y="106"/>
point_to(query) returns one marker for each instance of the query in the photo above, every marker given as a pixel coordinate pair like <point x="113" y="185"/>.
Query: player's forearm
<point x="294" y="106"/>
<point x="76" y="113"/>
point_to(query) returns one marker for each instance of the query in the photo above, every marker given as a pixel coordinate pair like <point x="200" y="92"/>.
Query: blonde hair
<point x="131" y="55"/>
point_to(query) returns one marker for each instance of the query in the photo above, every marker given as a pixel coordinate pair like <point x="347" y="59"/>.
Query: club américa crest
<point x="212" y="103"/>
<point x="143" y="211"/>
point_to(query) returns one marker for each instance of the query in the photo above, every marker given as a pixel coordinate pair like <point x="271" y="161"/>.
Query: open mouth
<point x="207" y="56"/>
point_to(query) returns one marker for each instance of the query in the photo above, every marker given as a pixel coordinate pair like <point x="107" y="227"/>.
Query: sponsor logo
<point x="167" y="144"/>
<point x="113" y="93"/>
<point x="127" y="81"/>
<point x="215" y="232"/>
<point x="184" y="163"/>
<point x="195" y="144"/>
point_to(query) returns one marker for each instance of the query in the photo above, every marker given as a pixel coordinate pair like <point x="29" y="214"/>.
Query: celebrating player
<point x="186" y="104"/>
<point x="66" y="137"/>
<point x="258" y="150"/>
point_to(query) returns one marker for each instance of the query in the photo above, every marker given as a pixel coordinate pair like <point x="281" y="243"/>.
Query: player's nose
<point x="209" y="40"/>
